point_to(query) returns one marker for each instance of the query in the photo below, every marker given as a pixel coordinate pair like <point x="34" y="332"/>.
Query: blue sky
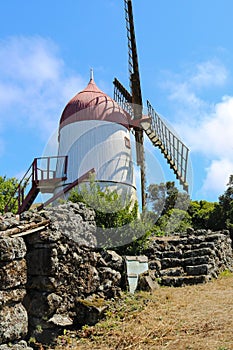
<point x="186" y="63"/>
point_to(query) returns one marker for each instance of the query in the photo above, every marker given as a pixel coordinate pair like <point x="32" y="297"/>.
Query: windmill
<point x="94" y="137"/>
<point x="172" y="148"/>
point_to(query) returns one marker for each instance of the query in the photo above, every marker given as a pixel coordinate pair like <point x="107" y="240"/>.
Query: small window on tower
<point x="127" y="142"/>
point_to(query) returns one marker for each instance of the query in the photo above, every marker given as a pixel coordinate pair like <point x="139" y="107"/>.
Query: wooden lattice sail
<point x="173" y="149"/>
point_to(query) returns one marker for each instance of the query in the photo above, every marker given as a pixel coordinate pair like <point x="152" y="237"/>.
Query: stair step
<point x="180" y="281"/>
<point x="198" y="252"/>
<point x="173" y="271"/>
<point x="196" y="260"/>
<point x="167" y="263"/>
<point x="202" y="245"/>
<point x="176" y="260"/>
<point x="197" y="270"/>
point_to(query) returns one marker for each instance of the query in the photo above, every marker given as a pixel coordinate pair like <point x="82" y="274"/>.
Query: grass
<point x="187" y="318"/>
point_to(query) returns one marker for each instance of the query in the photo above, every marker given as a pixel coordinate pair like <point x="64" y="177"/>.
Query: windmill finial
<point x="91" y="74"/>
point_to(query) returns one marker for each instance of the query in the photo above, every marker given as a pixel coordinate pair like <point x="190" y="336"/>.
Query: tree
<point x="223" y="213"/>
<point x="8" y="188"/>
<point x="174" y="220"/>
<point x="214" y="216"/>
<point x="156" y="198"/>
<point x="165" y="196"/>
<point x="169" y="207"/>
<point x="201" y="213"/>
<point x="173" y="210"/>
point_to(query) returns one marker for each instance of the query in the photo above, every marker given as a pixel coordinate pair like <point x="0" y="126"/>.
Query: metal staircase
<point x="40" y="177"/>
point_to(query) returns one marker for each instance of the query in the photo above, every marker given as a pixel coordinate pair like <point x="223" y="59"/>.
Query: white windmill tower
<point x="94" y="133"/>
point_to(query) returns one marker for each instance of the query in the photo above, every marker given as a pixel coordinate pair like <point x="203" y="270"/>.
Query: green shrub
<point x="117" y="218"/>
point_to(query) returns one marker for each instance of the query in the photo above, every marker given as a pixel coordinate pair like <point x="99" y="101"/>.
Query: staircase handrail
<point x="18" y="189"/>
<point x="32" y="175"/>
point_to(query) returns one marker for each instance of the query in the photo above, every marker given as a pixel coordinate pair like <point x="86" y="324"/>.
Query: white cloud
<point x="9" y="93"/>
<point x="217" y="176"/>
<point x="183" y="94"/>
<point x="34" y="83"/>
<point x="184" y="89"/>
<point x="29" y="59"/>
<point x="212" y="136"/>
<point x="206" y="127"/>
<point x="209" y="73"/>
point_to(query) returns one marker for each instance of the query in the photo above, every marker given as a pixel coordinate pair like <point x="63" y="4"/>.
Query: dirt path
<point x="188" y="318"/>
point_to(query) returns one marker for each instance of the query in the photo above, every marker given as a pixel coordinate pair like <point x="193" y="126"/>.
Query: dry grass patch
<point x="187" y="318"/>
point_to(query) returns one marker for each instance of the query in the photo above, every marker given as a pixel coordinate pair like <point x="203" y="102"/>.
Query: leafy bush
<point x="8" y="187"/>
<point x="174" y="220"/>
<point x="165" y="196"/>
<point x="117" y="218"/>
<point x="201" y="213"/>
<point x="169" y="209"/>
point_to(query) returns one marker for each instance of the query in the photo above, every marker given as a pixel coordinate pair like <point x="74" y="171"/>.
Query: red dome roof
<point x="93" y="104"/>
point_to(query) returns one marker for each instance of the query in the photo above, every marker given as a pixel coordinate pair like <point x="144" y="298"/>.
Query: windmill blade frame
<point x="136" y="94"/>
<point x="173" y="149"/>
<point x="123" y="97"/>
<point x="134" y="75"/>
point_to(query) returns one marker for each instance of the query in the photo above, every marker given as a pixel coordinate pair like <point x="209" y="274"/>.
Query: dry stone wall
<point x="52" y="276"/>
<point x="51" y="273"/>
<point x="13" y="278"/>
<point x="68" y="279"/>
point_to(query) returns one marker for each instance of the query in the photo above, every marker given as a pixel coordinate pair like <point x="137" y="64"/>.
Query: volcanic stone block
<point x="13" y="274"/>
<point x="42" y="283"/>
<point x="197" y="270"/>
<point x="21" y="345"/>
<point x="183" y="280"/>
<point x="11" y="296"/>
<point x="167" y="263"/>
<point x="11" y="248"/>
<point x="46" y="236"/>
<point x="13" y="323"/>
<point x="172" y="271"/>
<point x="36" y="304"/>
<point x="146" y="283"/>
<point x="198" y="252"/>
<point x="113" y="260"/>
<point x="90" y="310"/>
<point x="198" y="260"/>
<point x="106" y="273"/>
<point x="89" y="278"/>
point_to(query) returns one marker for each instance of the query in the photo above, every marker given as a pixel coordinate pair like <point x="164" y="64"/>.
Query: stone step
<point x="201" y="245"/>
<point x="196" y="260"/>
<point x="177" y="254"/>
<point x="180" y="281"/>
<point x="173" y="271"/>
<point x="176" y="247"/>
<point x="167" y="263"/>
<point x="198" y="270"/>
<point x="198" y="252"/>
